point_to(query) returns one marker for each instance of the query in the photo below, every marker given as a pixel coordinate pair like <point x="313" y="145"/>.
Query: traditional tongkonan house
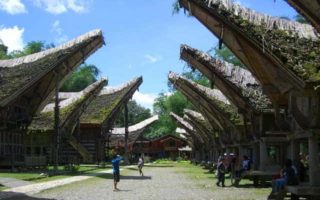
<point x="41" y="141"/>
<point x="117" y="138"/>
<point x="99" y="117"/>
<point x="214" y="106"/>
<point x="284" y="56"/>
<point x="245" y="93"/>
<point x="28" y="83"/>
<point x="198" y="143"/>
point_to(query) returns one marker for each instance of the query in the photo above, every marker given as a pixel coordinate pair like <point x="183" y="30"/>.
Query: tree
<point x="226" y="55"/>
<point x="164" y="104"/>
<point x="82" y="77"/>
<point x="31" y="48"/>
<point x="3" y="51"/>
<point x="299" y="18"/>
<point x="136" y="114"/>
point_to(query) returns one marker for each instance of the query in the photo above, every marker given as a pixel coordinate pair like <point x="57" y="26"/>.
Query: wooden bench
<point x="258" y="177"/>
<point x="309" y="192"/>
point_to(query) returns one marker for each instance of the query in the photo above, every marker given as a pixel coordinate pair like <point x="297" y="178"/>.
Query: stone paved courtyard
<point x="170" y="182"/>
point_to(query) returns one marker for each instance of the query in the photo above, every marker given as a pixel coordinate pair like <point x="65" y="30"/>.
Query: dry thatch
<point x="309" y="9"/>
<point x="18" y="76"/>
<point x="291" y="45"/>
<point x="134" y="131"/>
<point x="70" y="109"/>
<point x="232" y="80"/>
<point x="103" y="110"/>
<point x="187" y="127"/>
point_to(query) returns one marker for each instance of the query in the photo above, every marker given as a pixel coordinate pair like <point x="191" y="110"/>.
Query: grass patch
<point x="2" y="187"/>
<point x="205" y="180"/>
<point x="62" y="173"/>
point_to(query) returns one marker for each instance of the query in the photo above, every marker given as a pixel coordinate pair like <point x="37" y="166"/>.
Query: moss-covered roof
<point x="18" y="75"/>
<point x="213" y="96"/>
<point x="108" y="103"/>
<point x="240" y="81"/>
<point x="296" y="46"/>
<point x="45" y="120"/>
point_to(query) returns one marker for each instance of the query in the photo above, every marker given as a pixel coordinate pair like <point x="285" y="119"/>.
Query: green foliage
<point x="81" y="78"/>
<point x="164" y="104"/>
<point x="299" y="18"/>
<point x="3" y="51"/>
<point x="225" y="54"/>
<point x="136" y="114"/>
<point x="31" y="48"/>
<point x="176" y="7"/>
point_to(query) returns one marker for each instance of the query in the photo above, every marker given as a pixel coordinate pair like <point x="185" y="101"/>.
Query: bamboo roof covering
<point x="104" y="109"/>
<point x="70" y="110"/>
<point x="309" y="9"/>
<point x="283" y="55"/>
<point x="236" y="83"/>
<point x="28" y="82"/>
<point x="117" y="135"/>
<point x="188" y="128"/>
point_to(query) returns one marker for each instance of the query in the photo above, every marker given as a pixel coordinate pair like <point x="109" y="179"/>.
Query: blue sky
<point x="142" y="36"/>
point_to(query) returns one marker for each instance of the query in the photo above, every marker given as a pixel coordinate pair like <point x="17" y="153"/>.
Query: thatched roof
<point x="309" y="9"/>
<point x="104" y="109"/>
<point x="134" y="131"/>
<point x="220" y="106"/>
<point x="285" y="52"/>
<point x="236" y="83"/>
<point x="29" y="81"/>
<point x="187" y="127"/>
<point x="70" y="109"/>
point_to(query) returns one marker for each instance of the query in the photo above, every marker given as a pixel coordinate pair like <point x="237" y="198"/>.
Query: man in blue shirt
<point x="116" y="171"/>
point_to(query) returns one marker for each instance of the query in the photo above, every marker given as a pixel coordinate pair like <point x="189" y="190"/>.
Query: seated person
<point x="288" y="177"/>
<point x="245" y="166"/>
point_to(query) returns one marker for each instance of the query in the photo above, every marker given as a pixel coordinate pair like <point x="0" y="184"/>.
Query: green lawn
<point x="204" y="179"/>
<point x="36" y="177"/>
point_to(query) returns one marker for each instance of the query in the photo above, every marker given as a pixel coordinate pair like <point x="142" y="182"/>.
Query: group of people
<point x="232" y="164"/>
<point x="116" y="159"/>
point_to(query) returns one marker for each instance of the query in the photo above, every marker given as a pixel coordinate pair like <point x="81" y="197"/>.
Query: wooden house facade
<point x="42" y="140"/>
<point x="29" y="82"/>
<point x="98" y="119"/>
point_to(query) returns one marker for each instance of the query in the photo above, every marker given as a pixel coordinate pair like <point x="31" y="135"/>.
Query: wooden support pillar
<point x="126" y="159"/>
<point x="294" y="152"/>
<point x="314" y="169"/>
<point x="263" y="155"/>
<point x="56" y="125"/>
<point x="255" y="156"/>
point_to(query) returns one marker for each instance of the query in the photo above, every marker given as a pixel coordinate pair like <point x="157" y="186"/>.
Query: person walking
<point x="221" y="172"/>
<point x="116" y="171"/>
<point x="140" y="165"/>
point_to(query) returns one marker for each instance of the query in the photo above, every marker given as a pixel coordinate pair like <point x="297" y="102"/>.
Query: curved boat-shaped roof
<point x="282" y="55"/>
<point x="103" y="110"/>
<point x="34" y="77"/>
<point x="70" y="109"/>
<point x="236" y="83"/>
<point x="134" y="131"/>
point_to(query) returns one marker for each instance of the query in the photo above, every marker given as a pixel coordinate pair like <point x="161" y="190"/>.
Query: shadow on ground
<point x="158" y="166"/>
<point x="18" y="196"/>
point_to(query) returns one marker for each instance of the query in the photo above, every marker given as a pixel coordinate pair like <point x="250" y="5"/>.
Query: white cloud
<point x="58" y="31"/>
<point x="152" y="58"/>
<point x="61" y="6"/>
<point x="144" y="99"/>
<point x="12" y="37"/>
<point x="12" y="6"/>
